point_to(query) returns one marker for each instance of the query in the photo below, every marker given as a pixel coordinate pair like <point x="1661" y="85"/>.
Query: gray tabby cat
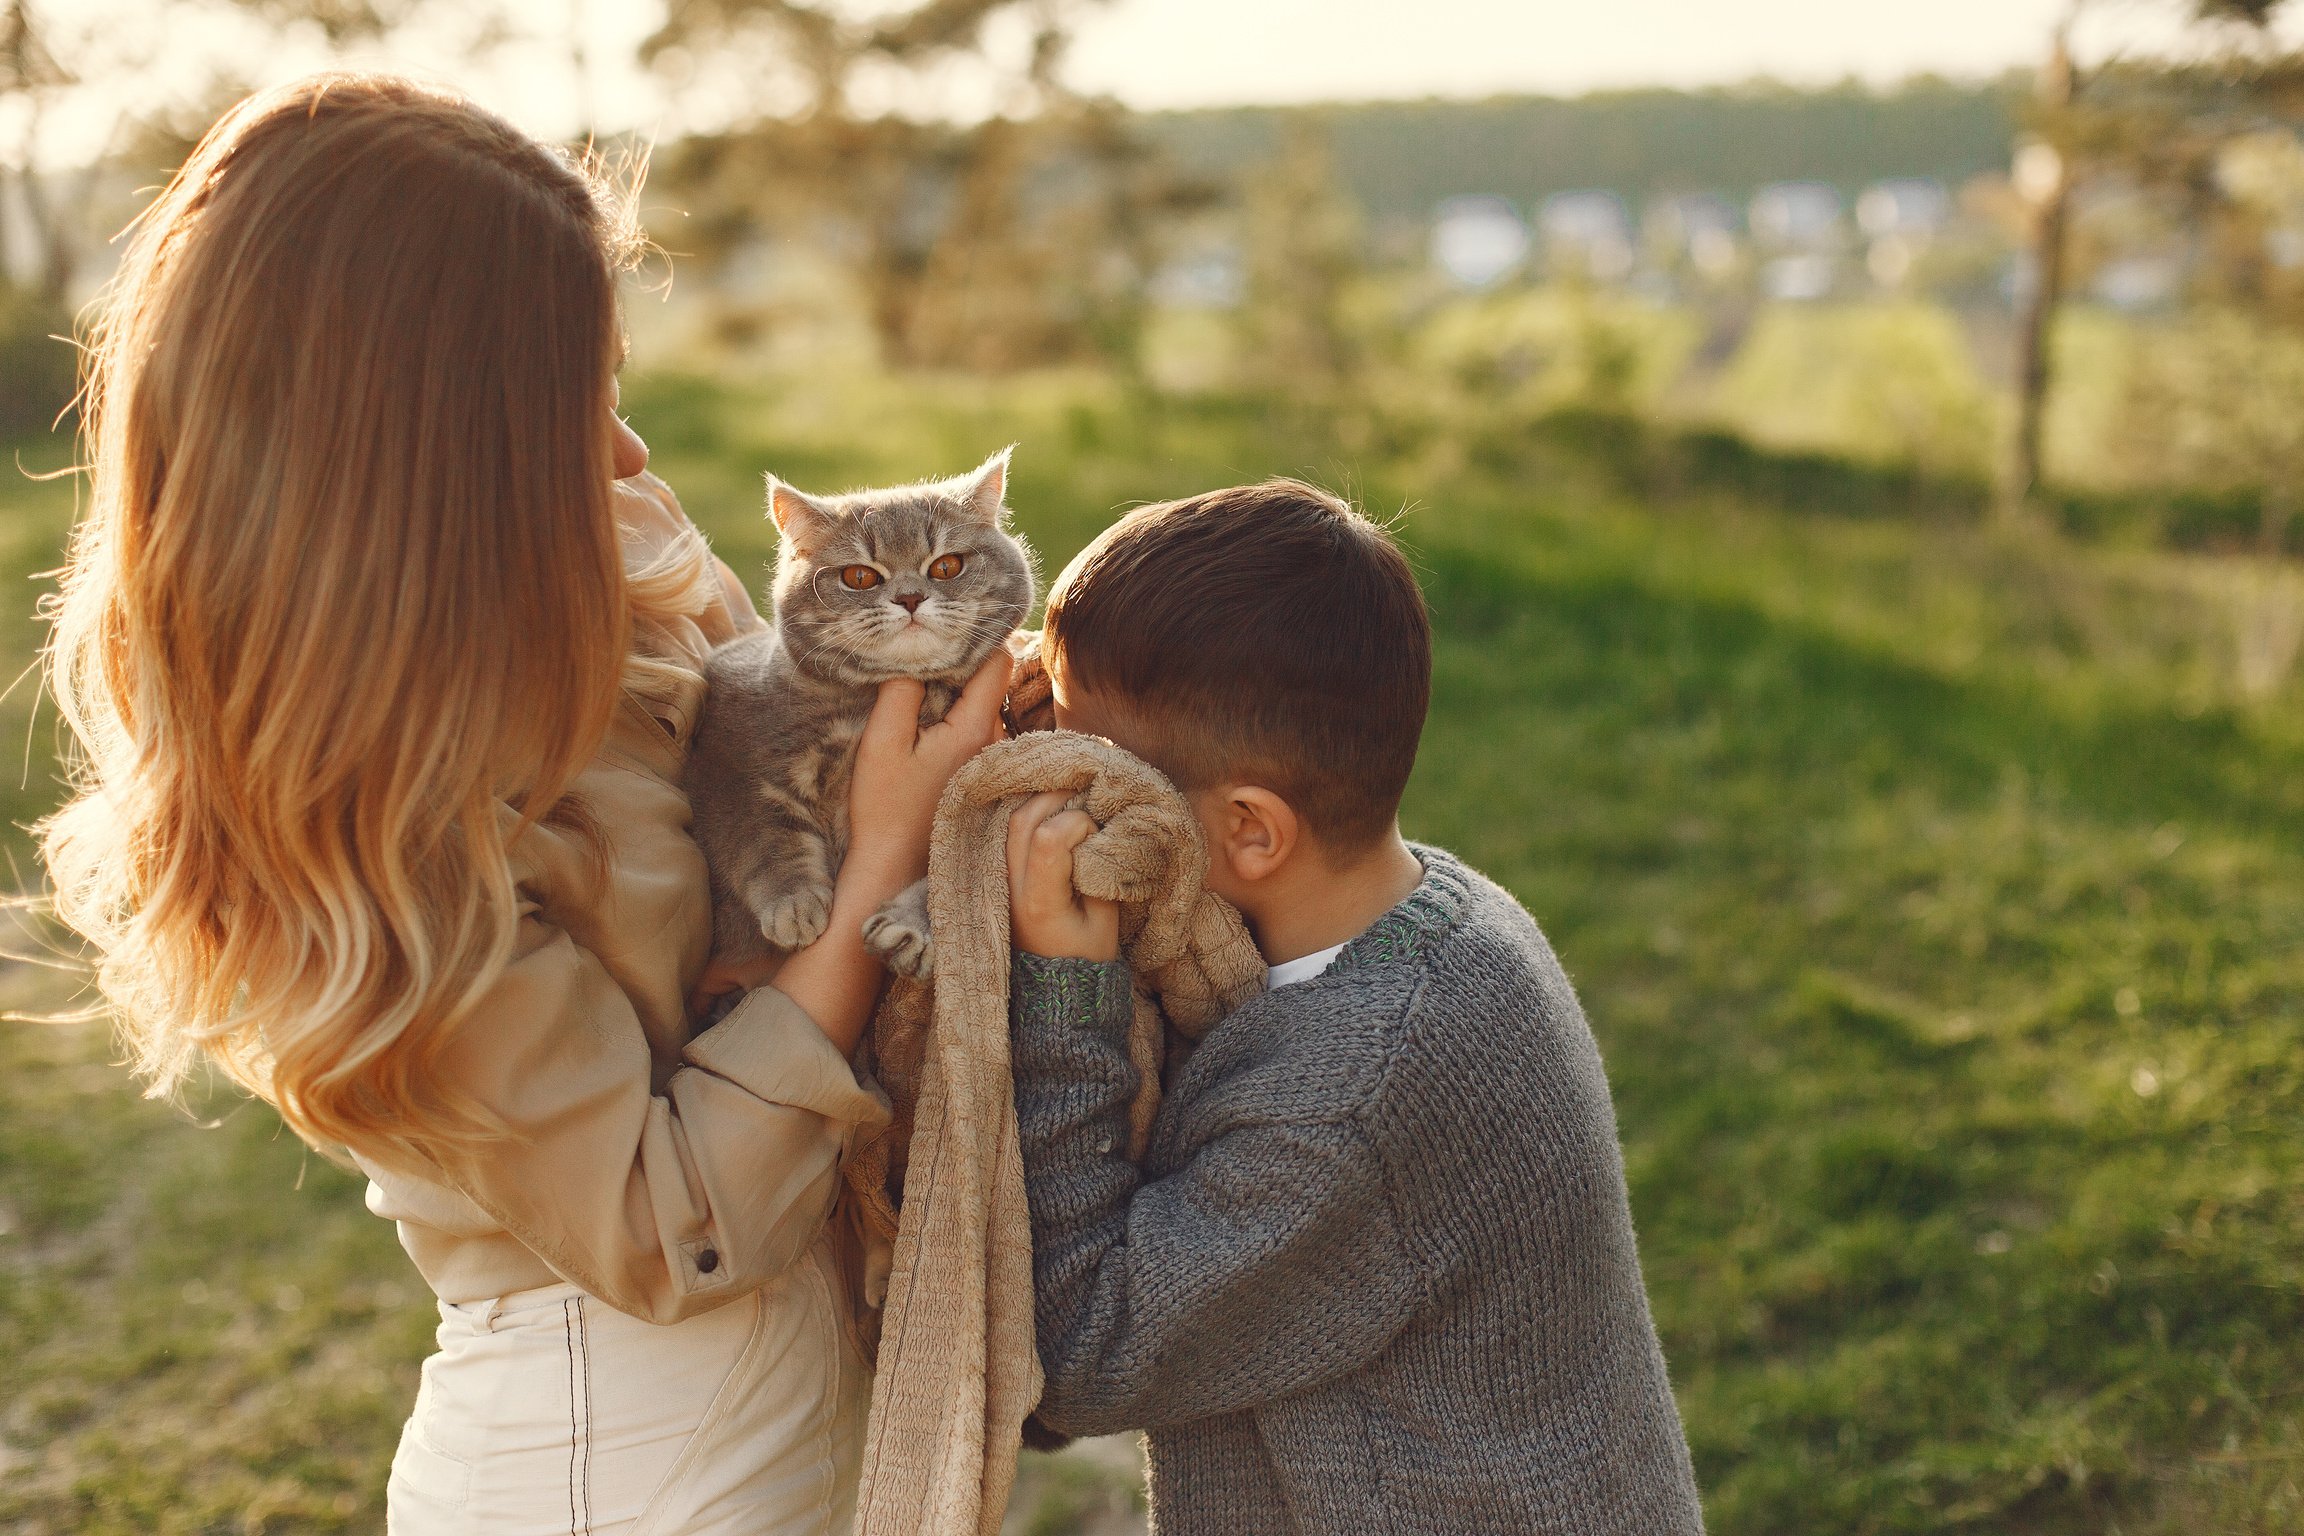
<point x="922" y="581"/>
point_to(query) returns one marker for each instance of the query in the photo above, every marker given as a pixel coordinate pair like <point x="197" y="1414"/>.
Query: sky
<point x="1170" y="53"/>
<point x="1191" y="53"/>
<point x="1186" y="53"/>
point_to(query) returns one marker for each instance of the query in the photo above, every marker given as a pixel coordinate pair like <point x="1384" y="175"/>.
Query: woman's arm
<point x="901" y="771"/>
<point x="665" y="1198"/>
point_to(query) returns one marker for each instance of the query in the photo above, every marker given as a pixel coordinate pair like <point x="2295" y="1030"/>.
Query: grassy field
<point x="1937" y="896"/>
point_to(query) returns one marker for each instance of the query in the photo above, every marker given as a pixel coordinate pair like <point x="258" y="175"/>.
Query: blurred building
<point x="1478" y="241"/>
<point x="2264" y="173"/>
<point x="1797" y="215"/>
<point x="1213" y="277"/>
<point x="1695" y="231"/>
<point x="2140" y="282"/>
<point x="1797" y="225"/>
<point x="2132" y="249"/>
<point x="1587" y="234"/>
<point x="1899" y="220"/>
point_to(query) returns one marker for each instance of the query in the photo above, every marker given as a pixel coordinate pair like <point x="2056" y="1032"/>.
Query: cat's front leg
<point x="789" y="891"/>
<point x="898" y="933"/>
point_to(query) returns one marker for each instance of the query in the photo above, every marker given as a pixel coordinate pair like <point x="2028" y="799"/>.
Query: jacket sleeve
<point x="1270" y="1261"/>
<point x="662" y="1199"/>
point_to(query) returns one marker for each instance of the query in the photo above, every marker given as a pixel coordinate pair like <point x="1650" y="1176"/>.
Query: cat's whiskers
<point x="831" y="643"/>
<point x="990" y="626"/>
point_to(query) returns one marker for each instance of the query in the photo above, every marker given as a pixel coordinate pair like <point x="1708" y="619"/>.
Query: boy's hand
<point x="1047" y="916"/>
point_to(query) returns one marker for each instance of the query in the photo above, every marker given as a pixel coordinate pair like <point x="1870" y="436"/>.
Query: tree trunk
<point x="2035" y="327"/>
<point x="2034" y="338"/>
<point x="58" y="260"/>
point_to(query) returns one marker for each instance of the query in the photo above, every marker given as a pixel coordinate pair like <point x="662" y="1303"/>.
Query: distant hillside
<point x="1399" y="158"/>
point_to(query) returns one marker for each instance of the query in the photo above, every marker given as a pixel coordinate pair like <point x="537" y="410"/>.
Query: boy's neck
<point x="1317" y="903"/>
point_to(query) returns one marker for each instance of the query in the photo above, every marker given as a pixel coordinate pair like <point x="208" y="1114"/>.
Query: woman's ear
<point x="1257" y="832"/>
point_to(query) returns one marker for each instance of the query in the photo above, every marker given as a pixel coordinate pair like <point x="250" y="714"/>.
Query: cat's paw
<point x="796" y="919"/>
<point x="898" y="933"/>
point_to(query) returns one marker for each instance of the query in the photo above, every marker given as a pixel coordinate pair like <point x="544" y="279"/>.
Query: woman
<point x="383" y="654"/>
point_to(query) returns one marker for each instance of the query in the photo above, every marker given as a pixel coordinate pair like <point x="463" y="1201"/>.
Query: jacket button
<point x="707" y="1261"/>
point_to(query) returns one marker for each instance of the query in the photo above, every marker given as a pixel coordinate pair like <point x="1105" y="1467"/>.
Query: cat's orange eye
<point x="945" y="567"/>
<point x="860" y="578"/>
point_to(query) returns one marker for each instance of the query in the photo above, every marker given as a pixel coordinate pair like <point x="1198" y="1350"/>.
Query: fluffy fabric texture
<point x="958" y="1372"/>
<point x="1375" y="1269"/>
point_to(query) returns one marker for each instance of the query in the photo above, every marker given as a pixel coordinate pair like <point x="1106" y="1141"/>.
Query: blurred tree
<point x="2256" y="13"/>
<point x="1303" y="251"/>
<point x="30" y="79"/>
<point x="2213" y="404"/>
<point x="104" y="62"/>
<point x="36" y="365"/>
<point x="2042" y="179"/>
<point x="2162" y="126"/>
<point x="1022" y="237"/>
<point x="1400" y="159"/>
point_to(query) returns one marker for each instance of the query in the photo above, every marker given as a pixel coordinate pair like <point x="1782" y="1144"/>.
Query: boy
<point x="1376" y="1271"/>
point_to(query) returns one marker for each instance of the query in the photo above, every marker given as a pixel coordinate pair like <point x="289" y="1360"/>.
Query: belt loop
<point x="495" y="1304"/>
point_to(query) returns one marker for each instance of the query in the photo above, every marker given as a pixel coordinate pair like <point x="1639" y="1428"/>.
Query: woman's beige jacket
<point x="663" y="1174"/>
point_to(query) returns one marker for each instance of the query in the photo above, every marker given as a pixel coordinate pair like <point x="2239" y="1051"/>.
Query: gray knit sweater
<point x="1376" y="1271"/>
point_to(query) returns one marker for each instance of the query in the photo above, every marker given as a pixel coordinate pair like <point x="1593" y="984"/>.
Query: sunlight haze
<point x="1156" y="54"/>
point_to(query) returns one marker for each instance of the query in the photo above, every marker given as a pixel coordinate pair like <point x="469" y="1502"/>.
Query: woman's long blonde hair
<point x="348" y="610"/>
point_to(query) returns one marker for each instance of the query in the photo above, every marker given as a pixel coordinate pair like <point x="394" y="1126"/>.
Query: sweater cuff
<point x="1069" y="997"/>
<point x="770" y="1048"/>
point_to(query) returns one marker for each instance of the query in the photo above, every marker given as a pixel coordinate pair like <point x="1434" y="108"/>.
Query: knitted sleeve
<point x="1272" y="1260"/>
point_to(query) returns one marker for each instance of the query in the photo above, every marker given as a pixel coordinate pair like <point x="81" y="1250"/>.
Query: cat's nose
<point x="910" y="601"/>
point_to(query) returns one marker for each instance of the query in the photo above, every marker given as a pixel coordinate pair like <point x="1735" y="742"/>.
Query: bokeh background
<point x="1852" y="453"/>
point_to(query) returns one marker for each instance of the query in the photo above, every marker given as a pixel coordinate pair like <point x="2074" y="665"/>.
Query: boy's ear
<point x="984" y="490"/>
<point x="1260" y="832"/>
<point x="794" y="512"/>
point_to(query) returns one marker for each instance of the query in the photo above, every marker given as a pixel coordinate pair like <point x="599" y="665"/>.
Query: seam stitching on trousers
<point x="568" y="1339"/>
<point x="584" y="1349"/>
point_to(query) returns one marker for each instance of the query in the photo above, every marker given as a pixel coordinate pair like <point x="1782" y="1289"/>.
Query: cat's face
<point x="921" y="581"/>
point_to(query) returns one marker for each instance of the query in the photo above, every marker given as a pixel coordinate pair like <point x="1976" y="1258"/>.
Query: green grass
<point x="1936" y="895"/>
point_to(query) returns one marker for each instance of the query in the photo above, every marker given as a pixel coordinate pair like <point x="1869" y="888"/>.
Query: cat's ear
<point x="793" y="511"/>
<point x="984" y="490"/>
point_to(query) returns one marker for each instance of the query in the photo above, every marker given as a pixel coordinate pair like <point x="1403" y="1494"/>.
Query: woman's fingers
<point x="976" y="713"/>
<point x="971" y="723"/>
<point x="895" y="717"/>
<point x="901" y="770"/>
<point x="892" y="795"/>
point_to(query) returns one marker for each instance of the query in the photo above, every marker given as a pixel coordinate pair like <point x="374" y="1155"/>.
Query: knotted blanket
<point x="958" y="1371"/>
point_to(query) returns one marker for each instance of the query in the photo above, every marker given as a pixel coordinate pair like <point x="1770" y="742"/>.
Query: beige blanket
<point x="958" y="1371"/>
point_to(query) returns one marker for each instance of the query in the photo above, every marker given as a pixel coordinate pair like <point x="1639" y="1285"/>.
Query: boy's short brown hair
<point x="1267" y="634"/>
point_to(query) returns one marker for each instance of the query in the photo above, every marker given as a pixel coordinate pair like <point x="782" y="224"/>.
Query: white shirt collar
<point x="1303" y="968"/>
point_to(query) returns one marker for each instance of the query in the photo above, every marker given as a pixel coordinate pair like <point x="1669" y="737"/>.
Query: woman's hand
<point x="722" y="977"/>
<point x="1047" y="915"/>
<point x="901" y="771"/>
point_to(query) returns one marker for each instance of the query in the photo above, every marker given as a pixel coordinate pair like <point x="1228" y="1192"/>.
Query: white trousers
<point x="548" y="1412"/>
